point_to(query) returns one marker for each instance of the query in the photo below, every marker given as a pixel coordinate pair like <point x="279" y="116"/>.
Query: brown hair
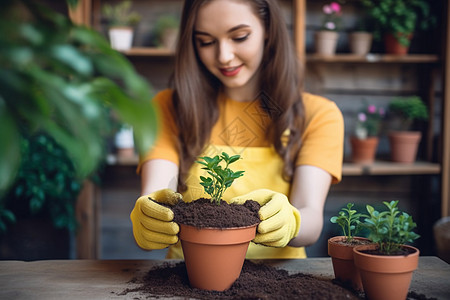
<point x="196" y="89"/>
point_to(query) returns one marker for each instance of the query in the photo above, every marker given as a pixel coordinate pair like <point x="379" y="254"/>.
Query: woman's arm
<point x="157" y="174"/>
<point x="310" y="188"/>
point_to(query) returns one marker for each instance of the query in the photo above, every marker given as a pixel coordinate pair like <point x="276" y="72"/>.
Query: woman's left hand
<point x="280" y="221"/>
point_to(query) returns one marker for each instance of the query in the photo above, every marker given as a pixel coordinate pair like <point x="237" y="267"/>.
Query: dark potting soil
<point x="203" y="213"/>
<point x="257" y="281"/>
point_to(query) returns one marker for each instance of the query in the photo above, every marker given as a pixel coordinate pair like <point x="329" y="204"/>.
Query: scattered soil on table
<point x="257" y="281"/>
<point x="203" y="213"/>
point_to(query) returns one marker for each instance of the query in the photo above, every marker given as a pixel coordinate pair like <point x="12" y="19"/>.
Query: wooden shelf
<point x="373" y="58"/>
<point x="338" y="58"/>
<point x="149" y="51"/>
<point x="349" y="169"/>
<point x="390" y="168"/>
<point x="117" y="160"/>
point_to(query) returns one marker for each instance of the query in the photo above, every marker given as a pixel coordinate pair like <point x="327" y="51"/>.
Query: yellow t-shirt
<point x="241" y="129"/>
<point x="243" y="124"/>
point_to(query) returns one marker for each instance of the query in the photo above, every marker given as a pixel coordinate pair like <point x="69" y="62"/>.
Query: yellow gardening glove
<point x="280" y="221"/>
<point x="153" y="226"/>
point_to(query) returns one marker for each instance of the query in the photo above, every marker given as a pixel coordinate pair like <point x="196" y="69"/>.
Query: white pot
<point x="121" y="38"/>
<point x="124" y="141"/>
<point x="326" y="42"/>
<point x="360" y="42"/>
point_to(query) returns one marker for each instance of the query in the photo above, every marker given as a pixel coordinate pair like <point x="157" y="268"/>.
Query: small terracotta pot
<point x="342" y="259"/>
<point x="392" y="46"/>
<point x="404" y="145"/>
<point x="364" y="150"/>
<point x="326" y="42"/>
<point x="214" y="257"/>
<point x="385" y="277"/>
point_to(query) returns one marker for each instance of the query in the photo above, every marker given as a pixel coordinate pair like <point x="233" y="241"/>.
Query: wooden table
<point x="104" y="279"/>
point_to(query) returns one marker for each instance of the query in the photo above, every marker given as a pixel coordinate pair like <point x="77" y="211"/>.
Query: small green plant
<point x="221" y="177"/>
<point x="349" y="220"/>
<point x="120" y="14"/>
<point x="390" y="229"/>
<point x="408" y="109"/>
<point x="164" y="23"/>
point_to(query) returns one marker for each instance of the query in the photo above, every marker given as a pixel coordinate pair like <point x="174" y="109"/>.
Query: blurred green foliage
<point x="45" y="185"/>
<point x="400" y="17"/>
<point x="66" y="81"/>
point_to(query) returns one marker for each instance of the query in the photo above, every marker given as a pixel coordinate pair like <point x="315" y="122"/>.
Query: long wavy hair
<point x="196" y="89"/>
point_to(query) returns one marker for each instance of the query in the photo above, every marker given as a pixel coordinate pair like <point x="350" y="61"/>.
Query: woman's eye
<point x="241" y="38"/>
<point x="205" y="43"/>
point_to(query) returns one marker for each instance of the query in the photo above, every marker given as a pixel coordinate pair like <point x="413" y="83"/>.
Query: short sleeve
<point x="166" y="140"/>
<point x="323" y="138"/>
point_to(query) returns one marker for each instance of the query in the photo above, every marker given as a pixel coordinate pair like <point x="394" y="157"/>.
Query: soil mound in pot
<point x="257" y="281"/>
<point x="203" y="213"/>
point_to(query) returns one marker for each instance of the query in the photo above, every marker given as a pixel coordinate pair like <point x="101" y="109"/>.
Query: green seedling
<point x="390" y="229"/>
<point x="349" y="220"/>
<point x="221" y="177"/>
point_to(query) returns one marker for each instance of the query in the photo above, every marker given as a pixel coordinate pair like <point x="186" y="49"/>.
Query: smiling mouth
<point x="230" y="71"/>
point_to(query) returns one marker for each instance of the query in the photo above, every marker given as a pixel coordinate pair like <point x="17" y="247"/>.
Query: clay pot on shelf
<point x="364" y="150"/>
<point x="124" y="142"/>
<point x="214" y="257"/>
<point x="169" y="38"/>
<point x="384" y="276"/>
<point x="326" y="42"/>
<point x="360" y="42"/>
<point x="393" y="46"/>
<point x="342" y="258"/>
<point x="404" y="145"/>
<point x="121" y="38"/>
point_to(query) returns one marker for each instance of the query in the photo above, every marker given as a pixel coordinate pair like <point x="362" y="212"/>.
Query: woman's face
<point x="229" y="38"/>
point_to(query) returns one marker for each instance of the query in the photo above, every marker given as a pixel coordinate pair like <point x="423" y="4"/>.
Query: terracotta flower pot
<point x="364" y="150"/>
<point x="342" y="259"/>
<point x="326" y="42"/>
<point x="214" y="257"/>
<point x="392" y="46"/>
<point x="404" y="145"/>
<point x="385" y="277"/>
<point x="360" y="42"/>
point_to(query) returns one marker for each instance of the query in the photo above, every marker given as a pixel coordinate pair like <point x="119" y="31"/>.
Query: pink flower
<point x="335" y="7"/>
<point x="362" y="117"/>
<point x="327" y="9"/>
<point x="330" y="26"/>
<point x="381" y="111"/>
<point x="371" y="109"/>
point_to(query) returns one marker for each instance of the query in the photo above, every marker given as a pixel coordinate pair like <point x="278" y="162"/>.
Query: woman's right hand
<point x="153" y="226"/>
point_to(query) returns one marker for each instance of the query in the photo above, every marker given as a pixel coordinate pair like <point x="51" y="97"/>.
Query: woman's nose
<point x="225" y="53"/>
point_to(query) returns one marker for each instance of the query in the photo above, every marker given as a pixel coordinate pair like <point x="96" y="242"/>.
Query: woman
<point x="237" y="88"/>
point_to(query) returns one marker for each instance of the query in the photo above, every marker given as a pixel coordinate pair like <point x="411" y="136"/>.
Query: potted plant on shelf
<point x="396" y="21"/>
<point x="166" y="31"/>
<point x="340" y="248"/>
<point x="124" y="141"/>
<point x="121" y="22"/>
<point x="360" y="39"/>
<point x="386" y="266"/>
<point x="365" y="140"/>
<point x="214" y="254"/>
<point x="404" y="142"/>
<point x="327" y="37"/>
